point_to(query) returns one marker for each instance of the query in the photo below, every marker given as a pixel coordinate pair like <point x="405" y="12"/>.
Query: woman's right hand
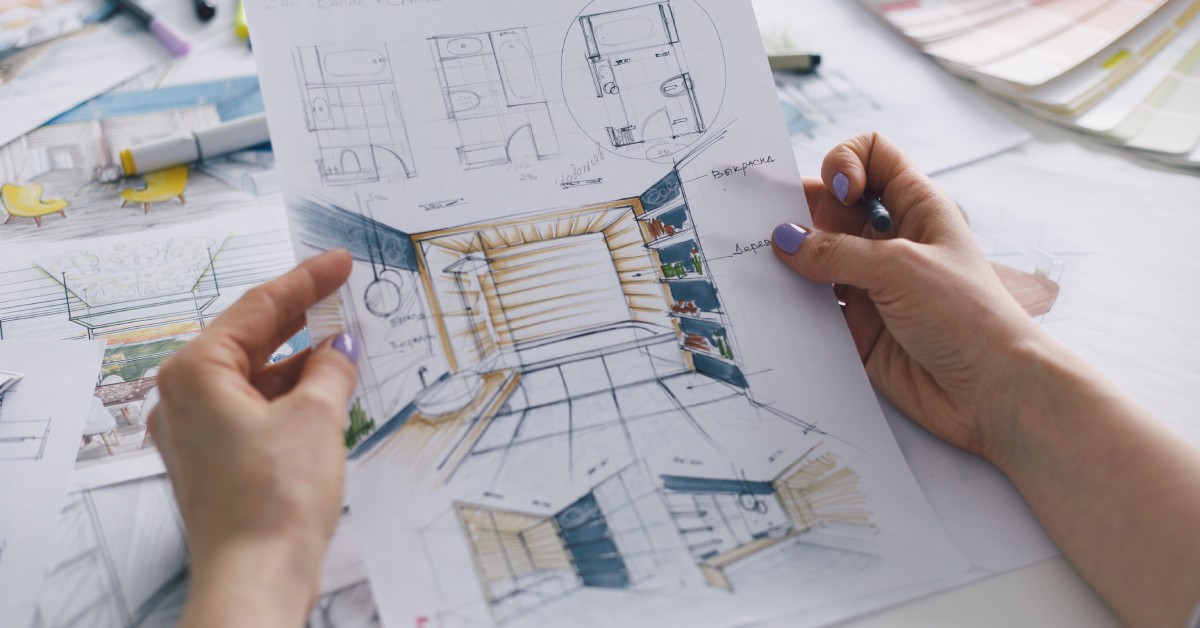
<point x="936" y="330"/>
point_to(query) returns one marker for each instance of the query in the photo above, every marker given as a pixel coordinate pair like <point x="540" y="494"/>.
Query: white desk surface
<point x="1130" y="303"/>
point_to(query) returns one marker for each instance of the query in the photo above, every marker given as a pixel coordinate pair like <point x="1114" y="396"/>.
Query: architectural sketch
<point x="825" y="98"/>
<point x="631" y="531"/>
<point x="552" y="329"/>
<point x="493" y="92"/>
<point x="352" y="108"/>
<point x="121" y="559"/>
<point x="147" y="296"/>
<point x="639" y="72"/>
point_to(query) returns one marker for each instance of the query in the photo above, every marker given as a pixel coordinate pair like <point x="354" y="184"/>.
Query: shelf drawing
<point x="493" y="92"/>
<point x="352" y="107"/>
<point x="639" y="72"/>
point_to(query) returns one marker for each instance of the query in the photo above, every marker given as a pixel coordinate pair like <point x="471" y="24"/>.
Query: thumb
<point x="827" y="257"/>
<point x="328" y="378"/>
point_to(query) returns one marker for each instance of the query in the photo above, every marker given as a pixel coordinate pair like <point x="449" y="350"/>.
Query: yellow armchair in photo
<point x="161" y="186"/>
<point x="25" y="201"/>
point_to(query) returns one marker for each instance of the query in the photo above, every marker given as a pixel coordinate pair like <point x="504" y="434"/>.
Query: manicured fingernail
<point x="788" y="237"/>
<point x="841" y="186"/>
<point x="347" y="345"/>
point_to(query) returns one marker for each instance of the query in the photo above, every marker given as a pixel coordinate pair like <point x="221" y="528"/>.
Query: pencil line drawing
<point x="352" y="108"/>
<point x="121" y="559"/>
<point x="23" y="440"/>
<point x="493" y="92"/>
<point x="639" y="72"/>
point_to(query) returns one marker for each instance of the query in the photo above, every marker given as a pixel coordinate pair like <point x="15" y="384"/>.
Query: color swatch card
<point x="1105" y="115"/>
<point x="926" y="21"/>
<point x="1089" y="82"/>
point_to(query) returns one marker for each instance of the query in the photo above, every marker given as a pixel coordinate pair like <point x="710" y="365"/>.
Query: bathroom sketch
<point x="637" y="65"/>
<point x="352" y="107"/>
<point x="551" y="329"/>
<point x="493" y="92"/>
<point x="634" y="531"/>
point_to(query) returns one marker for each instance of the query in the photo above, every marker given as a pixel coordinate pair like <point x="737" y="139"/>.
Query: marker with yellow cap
<point x="189" y="147"/>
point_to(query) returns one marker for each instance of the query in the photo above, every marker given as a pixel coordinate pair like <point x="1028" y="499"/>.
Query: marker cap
<point x="171" y="39"/>
<point x="127" y="164"/>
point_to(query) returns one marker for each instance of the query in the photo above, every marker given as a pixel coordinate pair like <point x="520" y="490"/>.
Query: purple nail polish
<point x="841" y="186"/>
<point x="347" y="345"/>
<point x="788" y="238"/>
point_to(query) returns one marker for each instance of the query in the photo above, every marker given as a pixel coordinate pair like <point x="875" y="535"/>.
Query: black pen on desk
<point x="171" y="39"/>
<point x="877" y="214"/>
<point x="204" y="10"/>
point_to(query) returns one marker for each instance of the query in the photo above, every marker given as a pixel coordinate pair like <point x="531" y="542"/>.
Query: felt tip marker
<point x="171" y="39"/>
<point x="877" y="214"/>
<point x="186" y="148"/>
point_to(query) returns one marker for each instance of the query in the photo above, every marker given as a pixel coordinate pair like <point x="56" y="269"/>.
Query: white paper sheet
<point x="44" y="81"/>
<point x="871" y="80"/>
<point x="149" y="292"/>
<point x="559" y="213"/>
<point x="41" y="421"/>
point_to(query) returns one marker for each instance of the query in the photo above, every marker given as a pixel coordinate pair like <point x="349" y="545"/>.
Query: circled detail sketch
<point x="639" y="72"/>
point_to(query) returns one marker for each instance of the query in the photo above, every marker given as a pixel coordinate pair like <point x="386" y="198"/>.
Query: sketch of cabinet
<point x="493" y="93"/>
<point x="639" y="72"/>
<point x="352" y="106"/>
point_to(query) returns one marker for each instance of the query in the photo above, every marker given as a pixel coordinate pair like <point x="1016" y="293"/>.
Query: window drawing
<point x="493" y="92"/>
<point x="631" y="532"/>
<point x="639" y="72"/>
<point x="23" y="440"/>
<point x="352" y="108"/>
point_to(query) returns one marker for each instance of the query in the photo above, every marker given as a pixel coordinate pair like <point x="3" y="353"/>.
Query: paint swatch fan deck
<point x="1125" y="71"/>
<point x="583" y="390"/>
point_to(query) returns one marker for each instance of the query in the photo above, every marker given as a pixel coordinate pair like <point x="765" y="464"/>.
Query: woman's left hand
<point x="256" y="453"/>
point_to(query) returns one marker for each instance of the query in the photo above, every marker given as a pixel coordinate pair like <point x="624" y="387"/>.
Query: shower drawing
<point x="639" y="73"/>
<point x="352" y="107"/>
<point x="494" y="95"/>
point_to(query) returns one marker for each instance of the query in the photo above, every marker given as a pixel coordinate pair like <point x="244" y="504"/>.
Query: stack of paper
<point x="1126" y="71"/>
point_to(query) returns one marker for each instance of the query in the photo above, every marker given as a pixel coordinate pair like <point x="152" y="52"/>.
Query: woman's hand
<point x="935" y="328"/>
<point x="256" y="453"/>
<point x="944" y="341"/>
